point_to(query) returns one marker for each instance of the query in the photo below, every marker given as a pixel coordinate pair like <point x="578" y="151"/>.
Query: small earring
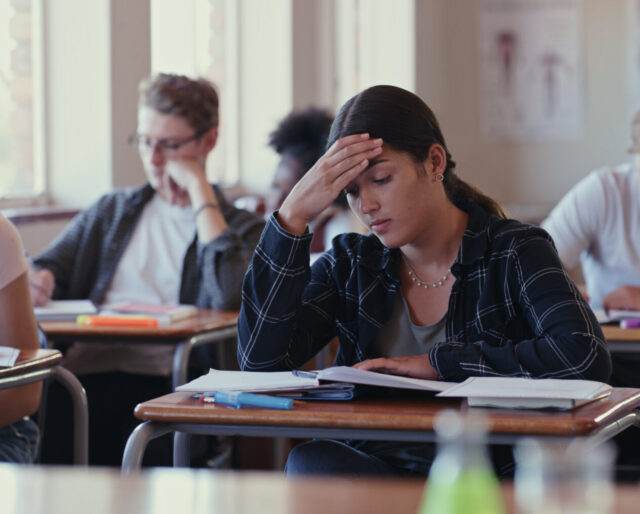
<point x="439" y="177"/>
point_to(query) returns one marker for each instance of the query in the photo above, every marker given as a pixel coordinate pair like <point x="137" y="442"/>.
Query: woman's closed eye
<point x="383" y="180"/>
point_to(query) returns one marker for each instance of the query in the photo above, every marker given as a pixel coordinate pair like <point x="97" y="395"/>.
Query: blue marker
<point x="238" y="400"/>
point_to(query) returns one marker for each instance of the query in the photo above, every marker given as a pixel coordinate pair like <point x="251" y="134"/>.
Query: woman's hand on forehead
<point x="321" y="185"/>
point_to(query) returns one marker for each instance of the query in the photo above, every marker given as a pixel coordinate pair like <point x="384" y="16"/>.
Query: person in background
<point x="176" y="239"/>
<point x="300" y="140"/>
<point x="597" y="224"/>
<point x="444" y="287"/>
<point x="18" y="434"/>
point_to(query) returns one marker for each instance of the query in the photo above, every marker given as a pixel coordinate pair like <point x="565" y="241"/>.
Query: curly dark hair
<point x="302" y="135"/>
<point x="196" y="100"/>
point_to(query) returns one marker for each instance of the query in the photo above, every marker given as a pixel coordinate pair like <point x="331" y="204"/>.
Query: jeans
<point x="326" y="456"/>
<point x="19" y="442"/>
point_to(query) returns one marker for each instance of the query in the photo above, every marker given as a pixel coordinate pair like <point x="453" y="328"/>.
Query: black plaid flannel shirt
<point x="513" y="310"/>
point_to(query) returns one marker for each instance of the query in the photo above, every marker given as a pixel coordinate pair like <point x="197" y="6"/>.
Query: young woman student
<point x="18" y="434"/>
<point x="444" y="287"/>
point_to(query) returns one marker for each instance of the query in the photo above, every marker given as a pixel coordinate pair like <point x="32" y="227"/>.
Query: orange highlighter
<point x="116" y="321"/>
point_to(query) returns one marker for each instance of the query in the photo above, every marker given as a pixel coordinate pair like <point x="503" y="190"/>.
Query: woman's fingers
<point x="344" y="158"/>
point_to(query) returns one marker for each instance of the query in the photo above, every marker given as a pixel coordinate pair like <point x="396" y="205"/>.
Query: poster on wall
<point x="531" y="69"/>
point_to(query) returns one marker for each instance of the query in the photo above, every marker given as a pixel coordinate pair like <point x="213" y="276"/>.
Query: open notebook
<point x="336" y="383"/>
<point x="342" y="383"/>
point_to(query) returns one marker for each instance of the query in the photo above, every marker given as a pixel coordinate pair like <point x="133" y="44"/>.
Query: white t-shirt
<point x="598" y="222"/>
<point x="149" y="271"/>
<point x="12" y="256"/>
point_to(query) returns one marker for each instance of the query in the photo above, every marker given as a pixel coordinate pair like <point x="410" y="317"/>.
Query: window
<point x="21" y="170"/>
<point x="376" y="45"/>
<point x="244" y="48"/>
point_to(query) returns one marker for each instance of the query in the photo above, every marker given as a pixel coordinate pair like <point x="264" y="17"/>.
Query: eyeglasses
<point x="168" y="145"/>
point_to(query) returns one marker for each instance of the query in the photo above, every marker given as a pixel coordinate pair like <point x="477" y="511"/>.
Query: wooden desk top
<point x="67" y="490"/>
<point x="206" y="320"/>
<point x="615" y="333"/>
<point x="395" y="414"/>
<point x="31" y="360"/>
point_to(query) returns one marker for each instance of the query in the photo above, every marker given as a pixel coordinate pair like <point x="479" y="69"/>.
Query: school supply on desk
<point x="64" y="310"/>
<point x="8" y="356"/>
<point x="238" y="400"/>
<point x="100" y="320"/>
<point x="336" y="383"/>
<point x="165" y="314"/>
<point x="528" y="393"/>
<point x="630" y="323"/>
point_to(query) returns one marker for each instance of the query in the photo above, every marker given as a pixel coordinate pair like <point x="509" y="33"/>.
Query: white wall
<point x="98" y="51"/>
<point x="530" y="174"/>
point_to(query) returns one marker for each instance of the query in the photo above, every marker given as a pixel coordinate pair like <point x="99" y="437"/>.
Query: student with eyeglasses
<point x="176" y="239"/>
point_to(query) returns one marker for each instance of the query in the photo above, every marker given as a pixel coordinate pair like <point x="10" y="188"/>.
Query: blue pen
<point x="237" y="400"/>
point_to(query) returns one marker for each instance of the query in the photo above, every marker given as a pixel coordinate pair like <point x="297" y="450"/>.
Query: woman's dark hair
<point x="302" y="135"/>
<point x="407" y="124"/>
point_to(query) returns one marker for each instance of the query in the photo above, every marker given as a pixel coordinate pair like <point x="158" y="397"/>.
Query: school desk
<point x="208" y="326"/>
<point x="37" y="365"/>
<point x="622" y="339"/>
<point x="396" y="419"/>
<point x="65" y="490"/>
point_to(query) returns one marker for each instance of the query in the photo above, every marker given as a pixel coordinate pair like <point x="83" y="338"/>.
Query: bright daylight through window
<point x="21" y="174"/>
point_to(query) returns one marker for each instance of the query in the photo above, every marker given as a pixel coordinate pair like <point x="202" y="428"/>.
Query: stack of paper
<point x="165" y="314"/>
<point x="64" y="310"/>
<point x="615" y="315"/>
<point x="8" y="356"/>
<point x="528" y="393"/>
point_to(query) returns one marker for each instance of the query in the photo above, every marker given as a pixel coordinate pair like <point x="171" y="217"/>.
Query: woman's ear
<point x="436" y="162"/>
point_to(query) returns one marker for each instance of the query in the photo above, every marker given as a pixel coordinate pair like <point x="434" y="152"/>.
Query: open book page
<point x="528" y="392"/>
<point x="263" y="381"/>
<point x="359" y="376"/>
<point x="64" y="310"/>
<point x="8" y="356"/>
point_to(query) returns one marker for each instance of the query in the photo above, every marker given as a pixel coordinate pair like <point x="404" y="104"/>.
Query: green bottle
<point x="461" y="479"/>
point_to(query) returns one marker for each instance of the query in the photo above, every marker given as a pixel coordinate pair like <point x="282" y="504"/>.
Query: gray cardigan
<point x="84" y="257"/>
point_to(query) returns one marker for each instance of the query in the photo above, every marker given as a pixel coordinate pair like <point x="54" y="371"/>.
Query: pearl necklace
<point x="421" y="283"/>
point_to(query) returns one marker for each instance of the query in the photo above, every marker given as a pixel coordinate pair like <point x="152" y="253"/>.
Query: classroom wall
<point x="528" y="177"/>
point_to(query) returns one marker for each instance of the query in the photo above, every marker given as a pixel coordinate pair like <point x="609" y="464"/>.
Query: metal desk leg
<point x="181" y="450"/>
<point x="80" y="413"/>
<point x="183" y="351"/>
<point x="137" y="444"/>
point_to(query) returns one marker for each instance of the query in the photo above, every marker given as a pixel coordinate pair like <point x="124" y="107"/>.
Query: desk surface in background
<point x="206" y="320"/>
<point x="415" y="414"/>
<point x="32" y="360"/>
<point x="40" y="490"/>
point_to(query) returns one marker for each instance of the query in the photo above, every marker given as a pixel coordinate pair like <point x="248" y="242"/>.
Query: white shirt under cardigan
<point x="598" y="222"/>
<point x="149" y="271"/>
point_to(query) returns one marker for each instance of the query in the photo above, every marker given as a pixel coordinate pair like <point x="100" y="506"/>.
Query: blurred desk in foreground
<point x="209" y="326"/>
<point x="40" y="490"/>
<point x="391" y="419"/>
